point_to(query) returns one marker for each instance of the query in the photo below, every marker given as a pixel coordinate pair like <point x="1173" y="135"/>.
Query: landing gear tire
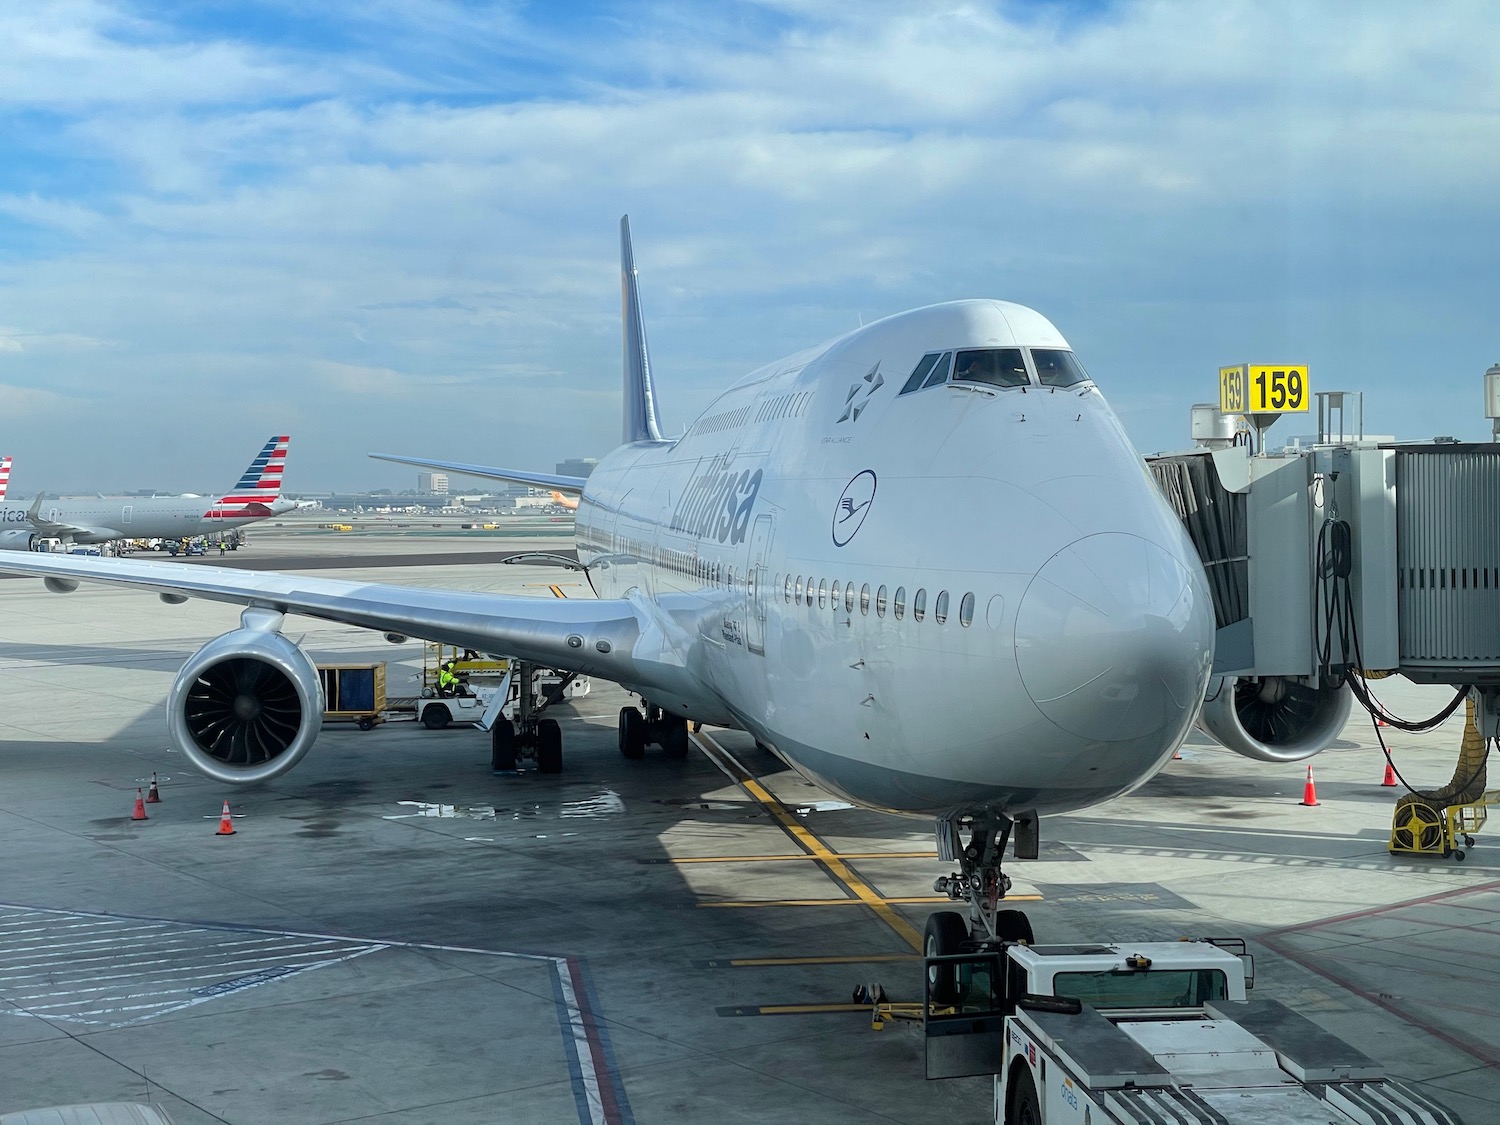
<point x="945" y="936"/>
<point x="437" y="716"/>
<point x="674" y="737"/>
<point x="632" y="733"/>
<point x="503" y="746"/>
<point x="1024" y="1109"/>
<point x="1013" y="925"/>
<point x="548" y="746"/>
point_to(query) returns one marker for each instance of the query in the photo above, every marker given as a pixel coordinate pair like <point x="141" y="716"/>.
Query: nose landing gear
<point x="979" y="881"/>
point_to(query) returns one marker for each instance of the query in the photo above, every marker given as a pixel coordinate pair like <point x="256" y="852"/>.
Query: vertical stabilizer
<point x="4" y="476"/>
<point x="640" y="393"/>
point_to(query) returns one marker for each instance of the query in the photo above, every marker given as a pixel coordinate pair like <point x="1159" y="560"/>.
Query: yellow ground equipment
<point x="353" y="693"/>
<point x="1442" y="822"/>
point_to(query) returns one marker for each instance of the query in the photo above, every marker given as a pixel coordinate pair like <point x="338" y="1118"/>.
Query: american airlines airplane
<point x="921" y="563"/>
<point x="101" y="520"/>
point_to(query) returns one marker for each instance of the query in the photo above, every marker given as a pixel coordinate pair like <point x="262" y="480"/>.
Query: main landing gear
<point x="529" y="736"/>
<point x="976" y="841"/>
<point x="655" y="726"/>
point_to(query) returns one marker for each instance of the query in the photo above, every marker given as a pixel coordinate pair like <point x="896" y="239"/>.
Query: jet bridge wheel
<point x="502" y="746"/>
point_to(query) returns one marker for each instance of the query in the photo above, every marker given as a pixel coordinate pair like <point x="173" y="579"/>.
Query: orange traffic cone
<point x="226" y="825"/>
<point x="1309" y="791"/>
<point x="153" y="795"/>
<point x="140" y="808"/>
<point x="1389" y="781"/>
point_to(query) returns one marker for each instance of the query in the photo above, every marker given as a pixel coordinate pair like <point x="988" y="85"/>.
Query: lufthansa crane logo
<point x="853" y="507"/>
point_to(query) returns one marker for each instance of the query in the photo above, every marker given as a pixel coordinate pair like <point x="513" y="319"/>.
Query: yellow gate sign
<point x="1263" y="388"/>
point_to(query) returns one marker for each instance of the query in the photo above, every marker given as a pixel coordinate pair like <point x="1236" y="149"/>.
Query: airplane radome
<point x="921" y="563"/>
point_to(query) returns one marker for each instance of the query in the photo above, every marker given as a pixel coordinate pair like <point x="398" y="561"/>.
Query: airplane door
<point x="756" y="580"/>
<point x="125" y="514"/>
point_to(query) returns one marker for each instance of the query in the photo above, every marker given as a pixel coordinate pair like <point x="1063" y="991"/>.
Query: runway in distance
<point x="103" y="519"/>
<point x="921" y="563"/>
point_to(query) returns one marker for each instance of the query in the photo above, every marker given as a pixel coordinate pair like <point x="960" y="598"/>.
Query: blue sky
<point x="391" y="225"/>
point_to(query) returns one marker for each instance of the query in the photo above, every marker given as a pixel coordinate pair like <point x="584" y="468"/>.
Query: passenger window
<point x="822" y="593"/>
<point x="920" y="372"/>
<point x="1000" y="367"/>
<point x="798" y="597"/>
<point x="809" y="591"/>
<point x="880" y="602"/>
<point x="1056" y="367"/>
<point x="849" y="597"/>
<point x="940" y="608"/>
<point x="833" y="597"/>
<point x="919" y="605"/>
<point x="787" y="591"/>
<point x="864" y="599"/>
<point x="898" y="607"/>
<point x="966" y="611"/>
<point x="940" y="370"/>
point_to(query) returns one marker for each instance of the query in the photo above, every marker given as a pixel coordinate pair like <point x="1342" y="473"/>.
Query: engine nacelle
<point x="17" y="540"/>
<point x="247" y="707"/>
<point x="1273" y="718"/>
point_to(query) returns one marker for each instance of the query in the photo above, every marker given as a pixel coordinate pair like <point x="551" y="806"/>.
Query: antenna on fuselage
<point x="640" y="392"/>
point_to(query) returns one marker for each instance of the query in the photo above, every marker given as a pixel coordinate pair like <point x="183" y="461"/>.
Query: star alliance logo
<point x="861" y="393"/>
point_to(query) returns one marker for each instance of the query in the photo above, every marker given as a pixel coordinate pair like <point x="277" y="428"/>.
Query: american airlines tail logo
<point x="4" y="476"/>
<point x="258" y="487"/>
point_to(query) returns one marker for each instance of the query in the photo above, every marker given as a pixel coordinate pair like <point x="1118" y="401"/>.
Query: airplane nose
<point x="1114" y="639"/>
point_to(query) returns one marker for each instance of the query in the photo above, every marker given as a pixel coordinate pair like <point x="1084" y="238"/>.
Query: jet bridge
<point x="1338" y="562"/>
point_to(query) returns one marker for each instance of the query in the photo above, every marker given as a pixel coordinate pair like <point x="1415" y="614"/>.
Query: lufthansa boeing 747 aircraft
<point x="921" y="563"/>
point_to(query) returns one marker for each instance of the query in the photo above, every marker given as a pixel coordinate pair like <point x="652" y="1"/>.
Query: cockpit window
<point x="1058" y="368"/>
<point x="1000" y="367"/>
<point x="923" y="369"/>
<point x="939" y="370"/>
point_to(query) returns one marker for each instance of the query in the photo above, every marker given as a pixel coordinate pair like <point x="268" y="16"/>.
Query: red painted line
<point x="1404" y="1012"/>
<point x="602" y="1071"/>
<point x="1376" y="910"/>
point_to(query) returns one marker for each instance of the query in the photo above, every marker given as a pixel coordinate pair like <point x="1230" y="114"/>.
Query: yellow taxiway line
<point x="783" y="858"/>
<point x="789" y="823"/>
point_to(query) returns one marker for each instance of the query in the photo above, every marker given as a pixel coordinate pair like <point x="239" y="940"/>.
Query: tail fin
<point x="4" y="476"/>
<point x="569" y="502"/>
<point x="261" y="482"/>
<point x="640" y="392"/>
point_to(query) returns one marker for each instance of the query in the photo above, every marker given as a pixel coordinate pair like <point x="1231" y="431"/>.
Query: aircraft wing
<point x="520" y="476"/>
<point x="596" y="637"/>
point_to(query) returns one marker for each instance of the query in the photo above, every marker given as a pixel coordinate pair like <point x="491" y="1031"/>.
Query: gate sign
<point x="1263" y="388"/>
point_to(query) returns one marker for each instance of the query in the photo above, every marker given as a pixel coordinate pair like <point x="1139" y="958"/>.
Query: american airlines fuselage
<point x="921" y="563"/>
<point x="102" y="519"/>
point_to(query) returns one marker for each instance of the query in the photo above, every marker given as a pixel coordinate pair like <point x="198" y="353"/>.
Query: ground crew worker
<point x="447" y="681"/>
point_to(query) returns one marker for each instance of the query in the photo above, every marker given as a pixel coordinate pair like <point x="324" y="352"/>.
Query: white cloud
<point x="333" y="235"/>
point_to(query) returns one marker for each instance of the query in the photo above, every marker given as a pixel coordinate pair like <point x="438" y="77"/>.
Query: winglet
<point x="640" y="392"/>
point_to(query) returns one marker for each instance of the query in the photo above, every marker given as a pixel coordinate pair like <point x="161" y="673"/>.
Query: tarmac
<point x="394" y="934"/>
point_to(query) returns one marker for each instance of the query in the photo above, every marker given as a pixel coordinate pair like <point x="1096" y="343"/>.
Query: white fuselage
<point x="1077" y="627"/>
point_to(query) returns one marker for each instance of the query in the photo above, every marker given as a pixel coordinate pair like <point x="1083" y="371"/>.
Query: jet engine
<point x="17" y="540"/>
<point x="1274" y="718"/>
<point x="247" y="706"/>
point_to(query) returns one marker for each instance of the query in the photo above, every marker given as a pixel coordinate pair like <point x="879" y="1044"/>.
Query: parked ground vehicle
<point x="1146" y="1032"/>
